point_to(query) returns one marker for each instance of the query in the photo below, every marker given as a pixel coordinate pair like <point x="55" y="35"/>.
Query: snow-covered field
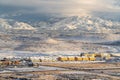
<point x="56" y="43"/>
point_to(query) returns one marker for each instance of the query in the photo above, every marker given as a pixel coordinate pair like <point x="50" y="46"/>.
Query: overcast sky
<point x="69" y="7"/>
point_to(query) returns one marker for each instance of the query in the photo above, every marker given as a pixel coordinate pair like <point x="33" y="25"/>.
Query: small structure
<point x="71" y="58"/>
<point x="85" y="58"/>
<point x="62" y="58"/>
<point x="78" y="59"/>
<point x="92" y="58"/>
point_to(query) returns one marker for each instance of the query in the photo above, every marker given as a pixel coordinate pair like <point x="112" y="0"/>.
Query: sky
<point x="66" y="7"/>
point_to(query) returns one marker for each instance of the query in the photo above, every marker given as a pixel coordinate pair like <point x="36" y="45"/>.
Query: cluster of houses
<point x="9" y="62"/>
<point x="34" y="61"/>
<point x="28" y="61"/>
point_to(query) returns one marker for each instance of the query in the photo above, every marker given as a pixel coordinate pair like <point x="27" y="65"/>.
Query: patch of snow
<point x="22" y="26"/>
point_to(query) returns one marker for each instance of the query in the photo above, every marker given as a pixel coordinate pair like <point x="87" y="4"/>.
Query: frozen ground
<point x="29" y="69"/>
<point x="58" y="42"/>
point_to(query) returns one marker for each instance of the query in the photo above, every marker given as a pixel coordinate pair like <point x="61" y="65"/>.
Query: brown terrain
<point x="74" y="71"/>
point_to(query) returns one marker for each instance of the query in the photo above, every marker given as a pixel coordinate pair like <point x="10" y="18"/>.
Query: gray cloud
<point x="69" y="7"/>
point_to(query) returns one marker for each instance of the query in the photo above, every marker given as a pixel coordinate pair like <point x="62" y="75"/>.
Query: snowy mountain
<point x="11" y="24"/>
<point x="75" y="23"/>
<point x="4" y="24"/>
<point x="87" y="24"/>
<point x="24" y="26"/>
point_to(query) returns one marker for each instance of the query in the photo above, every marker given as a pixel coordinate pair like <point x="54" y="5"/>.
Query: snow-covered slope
<point x="74" y="23"/>
<point x="87" y="24"/>
<point x="10" y="24"/>
<point x="77" y="23"/>
<point x="4" y="25"/>
<point x="24" y="26"/>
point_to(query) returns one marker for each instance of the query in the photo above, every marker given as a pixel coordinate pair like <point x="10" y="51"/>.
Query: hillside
<point x="76" y="33"/>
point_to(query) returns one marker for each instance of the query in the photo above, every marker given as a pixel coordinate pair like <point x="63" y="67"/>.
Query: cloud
<point x="69" y="7"/>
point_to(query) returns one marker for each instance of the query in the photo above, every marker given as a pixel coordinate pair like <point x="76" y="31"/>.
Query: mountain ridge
<point x="79" y="24"/>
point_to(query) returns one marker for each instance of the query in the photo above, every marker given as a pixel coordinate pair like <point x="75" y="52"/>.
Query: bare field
<point x="82" y="65"/>
<point x="72" y="71"/>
